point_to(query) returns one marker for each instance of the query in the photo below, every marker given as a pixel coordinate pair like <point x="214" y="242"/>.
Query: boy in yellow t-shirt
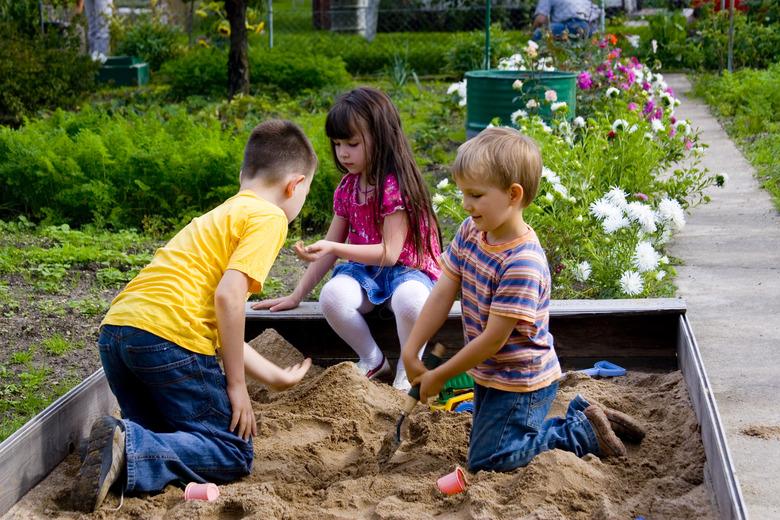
<point x="183" y="419"/>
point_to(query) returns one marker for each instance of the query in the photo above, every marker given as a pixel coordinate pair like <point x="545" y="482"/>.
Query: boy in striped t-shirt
<point x="497" y="263"/>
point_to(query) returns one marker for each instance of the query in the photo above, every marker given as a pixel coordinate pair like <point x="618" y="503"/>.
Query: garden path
<point x="730" y="278"/>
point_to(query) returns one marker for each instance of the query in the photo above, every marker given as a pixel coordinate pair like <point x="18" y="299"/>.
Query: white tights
<point x="343" y="302"/>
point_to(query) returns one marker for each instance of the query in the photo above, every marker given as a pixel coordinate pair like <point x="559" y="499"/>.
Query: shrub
<point x="40" y="72"/>
<point x="152" y="41"/>
<point x="203" y="71"/>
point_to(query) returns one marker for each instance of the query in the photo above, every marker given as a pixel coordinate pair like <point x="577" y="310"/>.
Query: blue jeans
<point x="176" y="412"/>
<point x="509" y="428"/>
<point x="576" y="27"/>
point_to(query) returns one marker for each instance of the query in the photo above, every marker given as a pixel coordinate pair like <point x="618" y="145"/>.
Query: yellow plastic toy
<point x="453" y="401"/>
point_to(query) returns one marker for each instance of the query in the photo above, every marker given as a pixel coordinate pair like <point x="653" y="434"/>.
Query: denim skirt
<point x="380" y="282"/>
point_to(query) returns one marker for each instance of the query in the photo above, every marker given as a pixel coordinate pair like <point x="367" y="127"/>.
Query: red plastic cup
<point x="452" y="483"/>
<point x="196" y="491"/>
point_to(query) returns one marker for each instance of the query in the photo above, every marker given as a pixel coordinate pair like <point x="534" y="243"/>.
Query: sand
<point x="316" y="447"/>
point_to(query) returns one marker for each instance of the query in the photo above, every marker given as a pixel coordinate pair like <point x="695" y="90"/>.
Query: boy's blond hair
<point x="276" y="148"/>
<point x="502" y="157"/>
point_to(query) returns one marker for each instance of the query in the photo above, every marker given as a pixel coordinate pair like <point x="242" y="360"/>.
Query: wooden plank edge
<point x="584" y="308"/>
<point x="33" y="451"/>
<point x="719" y="467"/>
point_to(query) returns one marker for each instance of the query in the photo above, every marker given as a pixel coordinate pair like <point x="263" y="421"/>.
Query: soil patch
<point x="316" y="447"/>
<point x="762" y="432"/>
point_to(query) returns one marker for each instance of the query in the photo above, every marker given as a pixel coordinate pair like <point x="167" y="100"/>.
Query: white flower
<point x="654" y="45"/>
<point x="517" y="85"/>
<point x="531" y="48"/>
<point x="578" y="218"/>
<point x="517" y="115"/>
<point x="437" y="199"/>
<point x="663" y="260"/>
<point x="683" y="126"/>
<point x="549" y="196"/>
<point x="633" y="129"/>
<point x="643" y="215"/>
<point x="561" y="105"/>
<point x="531" y="104"/>
<point x="633" y="40"/>
<point x="645" y="257"/>
<point x="573" y="199"/>
<point x="657" y="125"/>
<point x="443" y="184"/>
<point x="460" y="88"/>
<point x="604" y="209"/>
<point x="578" y="122"/>
<point x="619" y="124"/>
<point x="514" y="62"/>
<point x="612" y="92"/>
<point x="631" y="283"/>
<point x="546" y="127"/>
<point x="550" y="175"/>
<point x="560" y="188"/>
<point x="669" y="210"/>
<point x="660" y="275"/>
<point x="667" y="99"/>
<point x="613" y="223"/>
<point x="582" y="271"/>
<point x="550" y="95"/>
<point x="617" y="197"/>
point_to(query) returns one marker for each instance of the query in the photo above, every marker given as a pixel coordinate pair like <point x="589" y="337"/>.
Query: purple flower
<point x="641" y="196"/>
<point x="632" y="106"/>
<point x="649" y="107"/>
<point x="659" y="113"/>
<point x="673" y="120"/>
<point x="646" y="86"/>
<point x="584" y="81"/>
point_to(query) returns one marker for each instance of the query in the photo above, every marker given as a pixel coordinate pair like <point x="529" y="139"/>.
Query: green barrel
<point x="489" y="94"/>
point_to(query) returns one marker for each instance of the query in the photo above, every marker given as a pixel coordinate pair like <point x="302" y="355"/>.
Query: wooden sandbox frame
<point x="650" y="334"/>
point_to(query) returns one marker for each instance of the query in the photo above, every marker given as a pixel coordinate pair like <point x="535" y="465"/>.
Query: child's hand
<point x="430" y="384"/>
<point x="243" y="421"/>
<point x="414" y="368"/>
<point x="277" y="304"/>
<point x="290" y="376"/>
<point x="313" y="252"/>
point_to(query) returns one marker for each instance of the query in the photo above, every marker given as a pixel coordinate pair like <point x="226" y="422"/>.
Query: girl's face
<point x="352" y="153"/>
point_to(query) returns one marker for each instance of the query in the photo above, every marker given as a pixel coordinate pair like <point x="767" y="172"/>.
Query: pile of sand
<point x="316" y="447"/>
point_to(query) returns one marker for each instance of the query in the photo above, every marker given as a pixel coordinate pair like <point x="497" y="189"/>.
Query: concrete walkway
<point x="730" y="278"/>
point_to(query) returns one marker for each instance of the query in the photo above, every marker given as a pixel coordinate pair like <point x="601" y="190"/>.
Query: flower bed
<point x="617" y="179"/>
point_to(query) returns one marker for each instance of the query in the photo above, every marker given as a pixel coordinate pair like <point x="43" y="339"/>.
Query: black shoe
<point x="102" y="466"/>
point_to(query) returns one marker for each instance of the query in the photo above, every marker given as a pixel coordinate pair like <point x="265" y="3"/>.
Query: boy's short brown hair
<point x="501" y="156"/>
<point x="276" y="148"/>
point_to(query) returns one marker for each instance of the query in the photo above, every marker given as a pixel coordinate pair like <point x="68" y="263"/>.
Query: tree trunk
<point x="238" y="57"/>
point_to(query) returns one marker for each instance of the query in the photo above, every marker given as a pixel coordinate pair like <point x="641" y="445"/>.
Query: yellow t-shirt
<point x="173" y="296"/>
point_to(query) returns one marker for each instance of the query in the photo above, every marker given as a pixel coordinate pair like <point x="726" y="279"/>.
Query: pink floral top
<point x="364" y="229"/>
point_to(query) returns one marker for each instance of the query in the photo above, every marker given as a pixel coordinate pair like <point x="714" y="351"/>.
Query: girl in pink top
<point x="383" y="226"/>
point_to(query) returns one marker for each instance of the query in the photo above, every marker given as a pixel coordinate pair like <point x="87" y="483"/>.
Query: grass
<point x="748" y="102"/>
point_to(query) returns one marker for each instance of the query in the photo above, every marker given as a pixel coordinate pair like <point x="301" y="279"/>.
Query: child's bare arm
<point x="337" y="232"/>
<point x="229" y="301"/>
<point x="385" y="253"/>
<point x="475" y="352"/>
<point x="259" y="368"/>
<point x="432" y="317"/>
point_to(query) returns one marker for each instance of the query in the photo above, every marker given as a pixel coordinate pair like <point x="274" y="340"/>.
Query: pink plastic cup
<point x="452" y="483"/>
<point x="196" y="491"/>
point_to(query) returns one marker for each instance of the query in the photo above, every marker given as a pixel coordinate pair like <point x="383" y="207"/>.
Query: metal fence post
<point x="487" y="35"/>
<point x="271" y="24"/>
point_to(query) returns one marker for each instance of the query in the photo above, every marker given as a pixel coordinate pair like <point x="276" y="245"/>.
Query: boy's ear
<point x="292" y="182"/>
<point x="516" y="193"/>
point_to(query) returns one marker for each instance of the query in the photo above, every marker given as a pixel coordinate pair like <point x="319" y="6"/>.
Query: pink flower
<point x="649" y="107"/>
<point x="632" y="106"/>
<point x="641" y="196"/>
<point x="672" y="132"/>
<point x="584" y="81"/>
<point x="646" y="86"/>
<point x="688" y="144"/>
<point x="550" y="95"/>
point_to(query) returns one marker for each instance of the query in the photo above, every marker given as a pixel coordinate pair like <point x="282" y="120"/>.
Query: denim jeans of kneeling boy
<point x="510" y="428"/>
<point x="176" y="412"/>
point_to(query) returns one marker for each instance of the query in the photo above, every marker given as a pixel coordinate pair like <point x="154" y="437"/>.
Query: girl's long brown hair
<point x="366" y="110"/>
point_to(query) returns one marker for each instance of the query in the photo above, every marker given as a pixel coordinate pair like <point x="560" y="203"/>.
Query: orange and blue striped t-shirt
<point x="510" y="279"/>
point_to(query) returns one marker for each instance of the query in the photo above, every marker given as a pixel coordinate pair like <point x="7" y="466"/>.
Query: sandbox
<point x="316" y="449"/>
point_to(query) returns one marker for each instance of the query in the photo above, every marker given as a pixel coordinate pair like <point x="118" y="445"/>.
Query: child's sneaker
<point x="625" y="426"/>
<point x="103" y="464"/>
<point x="382" y="368"/>
<point x="401" y="382"/>
<point x="609" y="444"/>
